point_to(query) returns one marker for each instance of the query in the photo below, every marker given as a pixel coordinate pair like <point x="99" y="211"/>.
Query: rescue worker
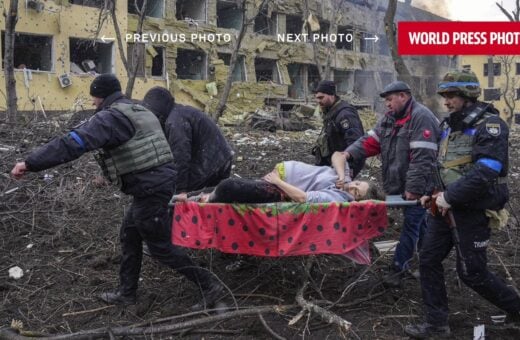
<point x="407" y="139"/>
<point x="201" y="154"/>
<point x="473" y="157"/>
<point x="341" y="126"/>
<point x="134" y="155"/>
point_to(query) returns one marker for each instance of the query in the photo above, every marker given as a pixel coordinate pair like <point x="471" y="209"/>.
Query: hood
<point x="160" y="101"/>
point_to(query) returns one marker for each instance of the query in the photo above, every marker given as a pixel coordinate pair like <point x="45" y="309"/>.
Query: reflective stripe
<point x="372" y="134"/>
<point x="78" y="139"/>
<point x="423" y="145"/>
<point x="457" y="83"/>
<point x="493" y="164"/>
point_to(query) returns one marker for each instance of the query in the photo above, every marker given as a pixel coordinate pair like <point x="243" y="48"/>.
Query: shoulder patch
<point x="427" y="134"/>
<point x="493" y="129"/>
<point x="345" y="124"/>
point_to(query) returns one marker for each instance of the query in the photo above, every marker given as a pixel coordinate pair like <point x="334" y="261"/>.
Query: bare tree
<point x="131" y="63"/>
<point x="11" y="18"/>
<point x="400" y="66"/>
<point x="234" y="56"/>
<point x="509" y="87"/>
<point x="514" y="15"/>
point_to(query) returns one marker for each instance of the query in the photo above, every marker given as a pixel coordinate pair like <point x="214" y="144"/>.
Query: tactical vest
<point x="330" y="138"/>
<point x="147" y="149"/>
<point x="455" y="152"/>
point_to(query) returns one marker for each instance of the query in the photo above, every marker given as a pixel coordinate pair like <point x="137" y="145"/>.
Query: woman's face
<point x="358" y="189"/>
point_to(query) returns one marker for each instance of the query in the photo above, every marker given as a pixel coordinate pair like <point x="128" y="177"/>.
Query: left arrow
<point x="105" y="39"/>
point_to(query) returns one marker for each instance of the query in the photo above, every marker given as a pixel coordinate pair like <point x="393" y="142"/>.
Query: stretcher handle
<point x="397" y="201"/>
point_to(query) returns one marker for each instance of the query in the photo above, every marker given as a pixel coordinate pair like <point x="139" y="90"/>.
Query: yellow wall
<point x="63" y="22"/>
<point x="477" y="66"/>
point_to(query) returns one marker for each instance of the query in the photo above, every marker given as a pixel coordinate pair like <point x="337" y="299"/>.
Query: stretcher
<point x="282" y="229"/>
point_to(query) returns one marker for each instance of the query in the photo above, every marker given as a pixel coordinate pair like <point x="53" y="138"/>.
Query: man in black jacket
<point x="134" y="155"/>
<point x="201" y="154"/>
<point x="341" y="126"/>
<point x="473" y="157"/>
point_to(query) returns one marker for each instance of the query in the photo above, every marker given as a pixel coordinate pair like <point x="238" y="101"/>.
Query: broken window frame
<point x="344" y="45"/>
<point x="24" y="52"/>
<point x="88" y="3"/>
<point x="341" y="76"/>
<point x="306" y="87"/>
<point x="150" y="8"/>
<point x="241" y="62"/>
<point x="271" y="23"/>
<point x="229" y="4"/>
<point x="194" y="3"/>
<point x="297" y="30"/>
<point x="109" y="45"/>
<point x="275" y="71"/>
<point x="366" y="45"/>
<point x="162" y="54"/>
<point x="204" y="62"/>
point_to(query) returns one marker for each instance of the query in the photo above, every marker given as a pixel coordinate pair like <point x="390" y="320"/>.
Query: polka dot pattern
<point x="281" y="229"/>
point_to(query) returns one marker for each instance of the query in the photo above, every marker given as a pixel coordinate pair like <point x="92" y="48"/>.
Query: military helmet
<point x="464" y="82"/>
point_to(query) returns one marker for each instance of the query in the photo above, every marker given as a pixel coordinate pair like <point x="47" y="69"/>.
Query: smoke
<point x="438" y="7"/>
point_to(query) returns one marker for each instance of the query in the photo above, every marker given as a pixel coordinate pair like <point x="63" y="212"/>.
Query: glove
<point x="441" y="202"/>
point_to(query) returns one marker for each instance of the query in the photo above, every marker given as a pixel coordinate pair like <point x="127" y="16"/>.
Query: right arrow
<point x="375" y="38"/>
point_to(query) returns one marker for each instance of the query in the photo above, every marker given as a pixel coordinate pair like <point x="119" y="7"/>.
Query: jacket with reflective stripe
<point x="148" y="147"/>
<point x="408" y="148"/>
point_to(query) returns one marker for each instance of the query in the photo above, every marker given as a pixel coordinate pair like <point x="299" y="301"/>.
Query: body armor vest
<point x="330" y="138"/>
<point x="455" y="152"/>
<point x="148" y="148"/>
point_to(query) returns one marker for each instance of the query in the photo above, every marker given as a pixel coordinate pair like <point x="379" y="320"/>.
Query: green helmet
<point x="464" y="82"/>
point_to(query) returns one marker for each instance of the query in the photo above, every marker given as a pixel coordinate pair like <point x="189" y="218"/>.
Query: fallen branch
<point x="9" y="334"/>
<point x="326" y="315"/>
<point x="269" y="329"/>
<point x="88" y="311"/>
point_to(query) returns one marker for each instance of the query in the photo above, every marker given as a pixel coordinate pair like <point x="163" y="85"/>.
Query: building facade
<point x="187" y="44"/>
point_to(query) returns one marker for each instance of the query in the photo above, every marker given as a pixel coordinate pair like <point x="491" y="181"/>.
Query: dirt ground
<point x="63" y="232"/>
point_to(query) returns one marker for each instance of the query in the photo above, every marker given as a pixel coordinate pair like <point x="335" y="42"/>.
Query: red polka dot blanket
<point x="278" y="229"/>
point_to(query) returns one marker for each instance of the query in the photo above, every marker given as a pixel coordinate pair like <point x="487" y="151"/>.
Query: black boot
<point x="116" y="297"/>
<point x="209" y="297"/>
<point x="426" y="330"/>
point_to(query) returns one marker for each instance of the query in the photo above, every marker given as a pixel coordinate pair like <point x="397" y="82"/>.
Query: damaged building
<point x="187" y="45"/>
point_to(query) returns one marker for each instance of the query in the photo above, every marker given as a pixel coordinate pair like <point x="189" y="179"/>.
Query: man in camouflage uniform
<point x="473" y="159"/>
<point x="341" y="126"/>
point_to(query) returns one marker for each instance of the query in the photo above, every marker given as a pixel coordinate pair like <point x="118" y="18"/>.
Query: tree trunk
<point x="10" y="82"/>
<point x="400" y="66"/>
<point x="221" y="106"/>
<point x="137" y="52"/>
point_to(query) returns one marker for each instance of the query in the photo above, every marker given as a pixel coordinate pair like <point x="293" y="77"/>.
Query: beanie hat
<point x="327" y="87"/>
<point x="104" y="85"/>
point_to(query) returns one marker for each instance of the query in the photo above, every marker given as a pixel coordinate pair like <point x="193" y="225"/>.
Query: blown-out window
<point x="31" y="51"/>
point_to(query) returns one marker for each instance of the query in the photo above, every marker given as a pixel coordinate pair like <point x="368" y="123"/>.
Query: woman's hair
<point x="374" y="192"/>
